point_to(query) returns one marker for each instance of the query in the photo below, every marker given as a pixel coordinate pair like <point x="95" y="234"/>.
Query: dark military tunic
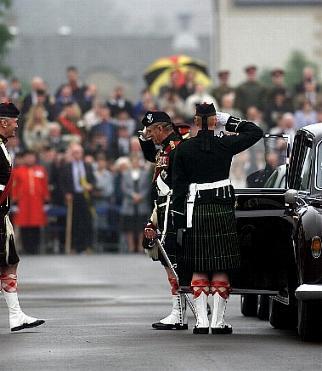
<point x="211" y="244"/>
<point x="8" y="254"/>
<point x="163" y="159"/>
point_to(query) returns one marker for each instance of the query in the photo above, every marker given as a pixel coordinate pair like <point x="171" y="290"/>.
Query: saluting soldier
<point x="203" y="206"/>
<point x="159" y="130"/>
<point x="9" y="259"/>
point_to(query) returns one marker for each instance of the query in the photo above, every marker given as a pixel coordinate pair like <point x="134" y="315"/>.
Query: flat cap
<point x="222" y="73"/>
<point x="277" y="71"/>
<point x="152" y="117"/>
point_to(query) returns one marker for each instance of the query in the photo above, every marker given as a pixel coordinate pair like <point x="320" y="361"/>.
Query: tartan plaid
<point x="9" y="282"/>
<point x="211" y="245"/>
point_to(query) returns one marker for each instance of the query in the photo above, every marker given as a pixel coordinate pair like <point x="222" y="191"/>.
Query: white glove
<point x="222" y="117"/>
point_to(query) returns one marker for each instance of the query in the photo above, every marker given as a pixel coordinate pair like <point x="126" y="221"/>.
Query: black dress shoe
<point x="222" y="330"/>
<point x="28" y="325"/>
<point x="168" y="326"/>
<point x="201" y="330"/>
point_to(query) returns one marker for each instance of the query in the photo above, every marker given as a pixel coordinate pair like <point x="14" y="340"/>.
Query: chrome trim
<point x="236" y="291"/>
<point x="308" y="292"/>
<point x="316" y="165"/>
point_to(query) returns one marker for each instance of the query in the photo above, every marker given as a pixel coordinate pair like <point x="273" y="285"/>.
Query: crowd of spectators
<point x="102" y="134"/>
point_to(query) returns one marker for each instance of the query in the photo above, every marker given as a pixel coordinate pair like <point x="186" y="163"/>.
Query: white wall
<point x="266" y="36"/>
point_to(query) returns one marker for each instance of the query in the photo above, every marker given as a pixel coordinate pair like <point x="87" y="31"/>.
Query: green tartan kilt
<point x="211" y="245"/>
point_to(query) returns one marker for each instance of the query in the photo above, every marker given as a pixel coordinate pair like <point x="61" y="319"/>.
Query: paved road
<point x="99" y="311"/>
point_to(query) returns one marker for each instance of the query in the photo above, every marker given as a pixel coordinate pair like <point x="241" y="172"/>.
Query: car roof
<point x="315" y="129"/>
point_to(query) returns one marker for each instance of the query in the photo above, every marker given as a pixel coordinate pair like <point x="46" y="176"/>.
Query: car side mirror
<point x="291" y="197"/>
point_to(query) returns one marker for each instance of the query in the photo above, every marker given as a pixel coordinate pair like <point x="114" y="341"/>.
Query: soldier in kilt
<point x="203" y="207"/>
<point x="159" y="130"/>
<point x="9" y="259"/>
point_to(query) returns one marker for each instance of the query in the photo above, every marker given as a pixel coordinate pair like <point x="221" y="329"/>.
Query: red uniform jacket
<point x="30" y="191"/>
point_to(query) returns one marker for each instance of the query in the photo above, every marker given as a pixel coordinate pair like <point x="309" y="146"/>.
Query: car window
<point x="306" y="170"/>
<point x="252" y="168"/>
<point x="271" y="181"/>
<point x="277" y="179"/>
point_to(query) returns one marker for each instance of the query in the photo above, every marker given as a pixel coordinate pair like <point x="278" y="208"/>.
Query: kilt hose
<point x="211" y="245"/>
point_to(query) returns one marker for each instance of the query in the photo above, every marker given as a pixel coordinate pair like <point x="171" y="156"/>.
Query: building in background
<point x="110" y="42"/>
<point x="265" y="32"/>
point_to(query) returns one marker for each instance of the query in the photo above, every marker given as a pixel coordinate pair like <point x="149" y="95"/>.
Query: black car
<point x="280" y="232"/>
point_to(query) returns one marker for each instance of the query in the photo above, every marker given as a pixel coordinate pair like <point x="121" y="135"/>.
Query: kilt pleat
<point x="211" y="244"/>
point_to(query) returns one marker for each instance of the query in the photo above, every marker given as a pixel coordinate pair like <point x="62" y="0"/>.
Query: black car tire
<point x="263" y="307"/>
<point x="310" y="320"/>
<point x="248" y="305"/>
<point x="282" y="316"/>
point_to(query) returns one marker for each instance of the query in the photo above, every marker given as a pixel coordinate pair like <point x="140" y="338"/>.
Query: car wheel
<point x="248" y="305"/>
<point x="263" y="307"/>
<point x="310" y="320"/>
<point x="282" y="316"/>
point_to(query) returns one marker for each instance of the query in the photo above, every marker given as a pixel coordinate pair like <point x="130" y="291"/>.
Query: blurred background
<point x="83" y="73"/>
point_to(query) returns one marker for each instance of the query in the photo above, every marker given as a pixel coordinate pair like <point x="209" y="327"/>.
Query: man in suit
<point x="77" y="183"/>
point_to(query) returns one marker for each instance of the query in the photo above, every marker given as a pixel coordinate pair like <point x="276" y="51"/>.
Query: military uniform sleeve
<point x="180" y="182"/>
<point x="246" y="134"/>
<point x="148" y="149"/>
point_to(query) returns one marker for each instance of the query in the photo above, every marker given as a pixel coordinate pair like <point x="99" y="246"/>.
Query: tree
<point x="5" y="37"/>
<point x="294" y="68"/>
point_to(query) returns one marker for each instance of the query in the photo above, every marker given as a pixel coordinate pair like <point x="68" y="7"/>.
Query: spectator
<point x="78" y="182"/>
<point x="319" y="114"/>
<point x="4" y="90"/>
<point x="172" y="103"/>
<point x="278" y="105"/>
<point x="286" y="125"/>
<point x="253" y="114"/>
<point x="69" y="120"/>
<point x="30" y="193"/>
<point x="36" y="131"/>
<point x="228" y="104"/>
<point x="15" y="92"/>
<point x="308" y="76"/>
<point x="123" y="119"/>
<point x="102" y="195"/>
<point x="250" y="92"/>
<point x="135" y="204"/>
<point x="92" y="117"/>
<point x="145" y="103"/>
<point x="89" y="98"/>
<point x="14" y="147"/>
<point x="121" y="165"/>
<point x="38" y="95"/>
<point x="64" y="98"/>
<point x="223" y="87"/>
<point x="305" y="116"/>
<point x="278" y="86"/>
<point x="119" y="102"/>
<point x="55" y="139"/>
<point x="199" y="96"/>
<point x="310" y="93"/>
<point x="123" y="141"/>
<point x="176" y="81"/>
<point x="108" y="129"/>
<point x="189" y="85"/>
<point x="77" y="89"/>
